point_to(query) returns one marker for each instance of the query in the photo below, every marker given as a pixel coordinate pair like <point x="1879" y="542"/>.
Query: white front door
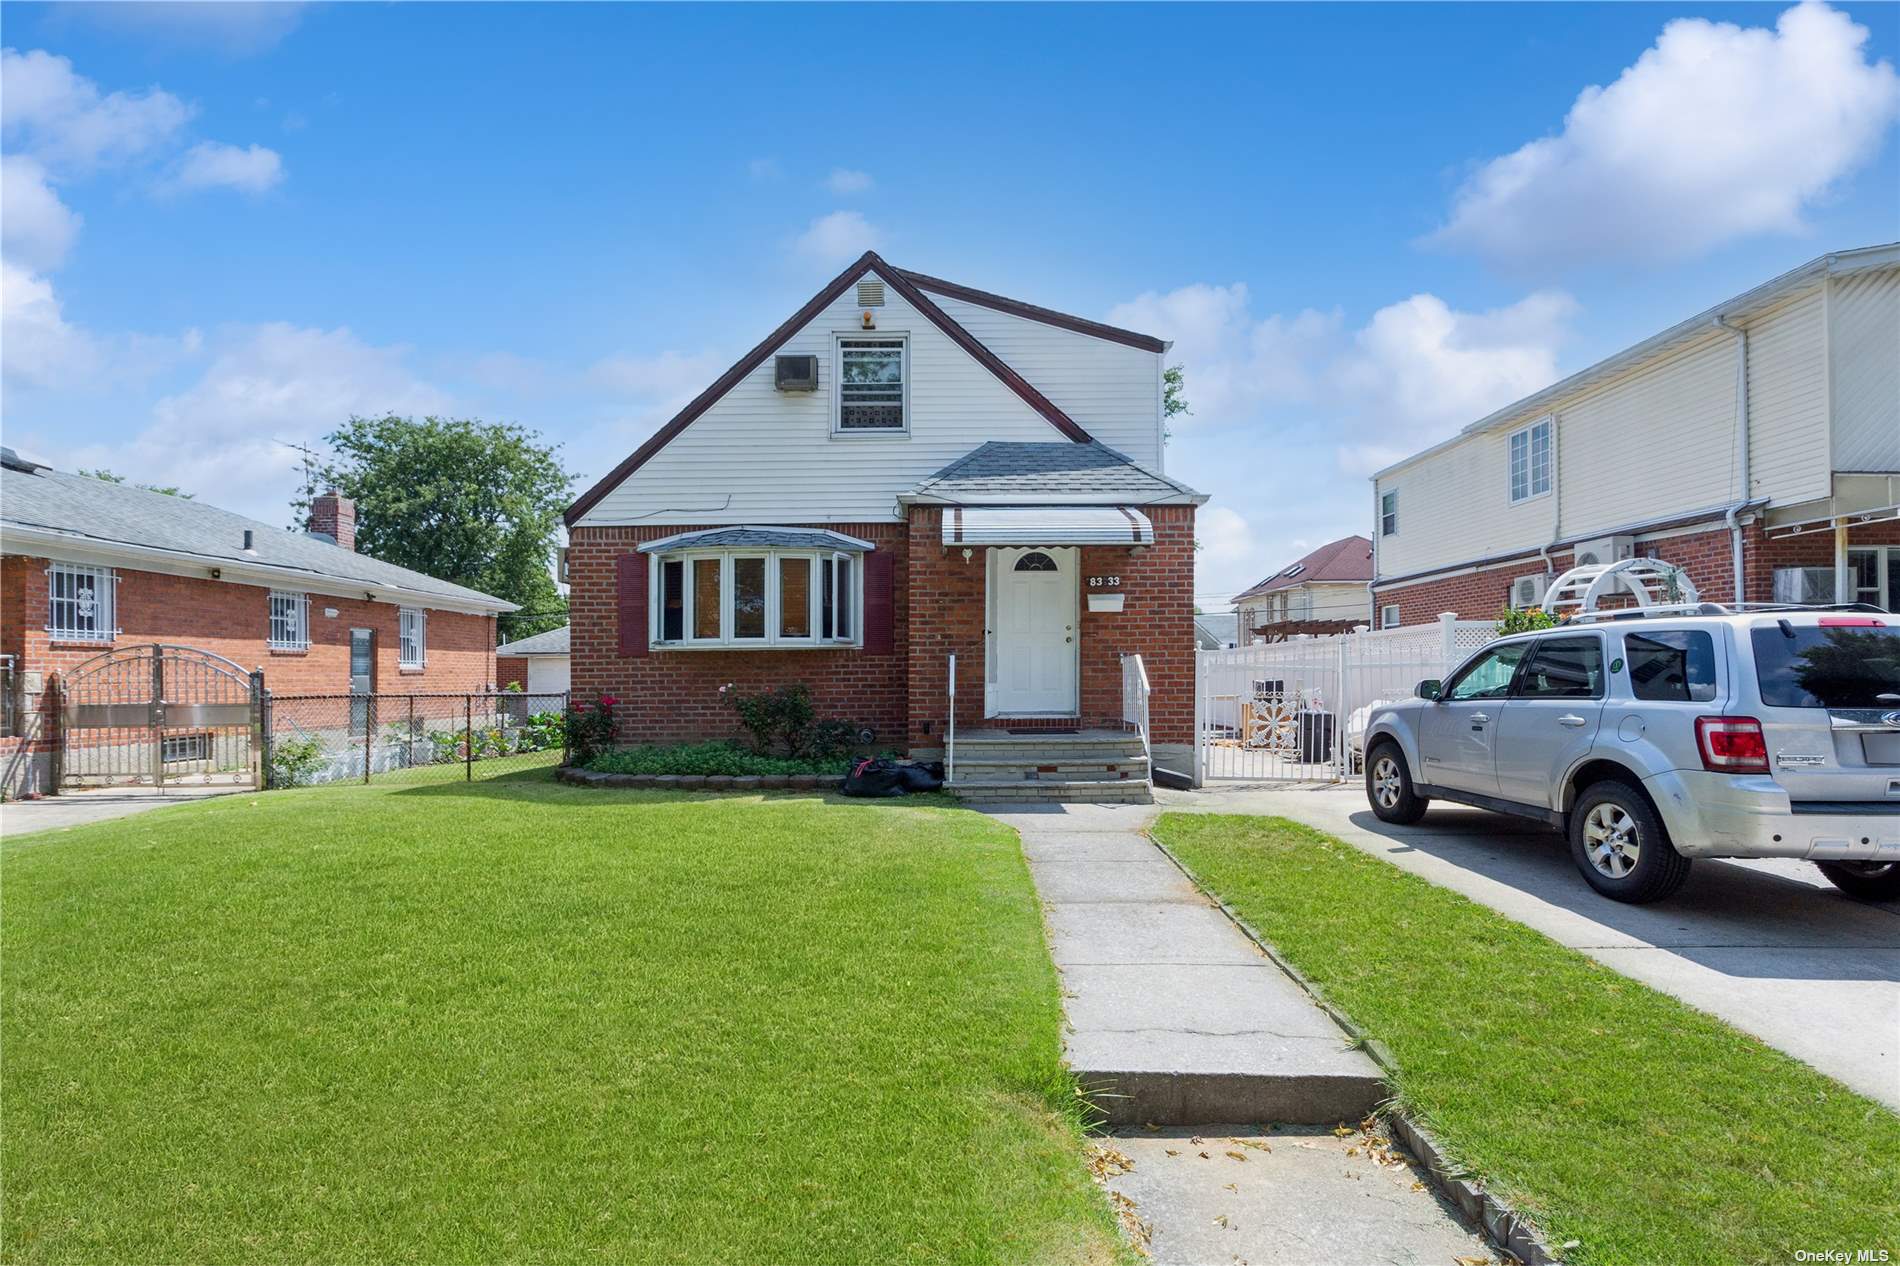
<point x="1035" y="630"/>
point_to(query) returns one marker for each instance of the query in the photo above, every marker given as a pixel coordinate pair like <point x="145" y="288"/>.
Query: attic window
<point x="870" y="294"/>
<point x="872" y="384"/>
<point x="1294" y="570"/>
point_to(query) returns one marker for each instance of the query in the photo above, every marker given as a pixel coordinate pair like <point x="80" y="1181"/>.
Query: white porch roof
<point x="1046" y="525"/>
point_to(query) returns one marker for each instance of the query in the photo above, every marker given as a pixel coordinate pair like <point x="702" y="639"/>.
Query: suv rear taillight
<point x="1732" y="745"/>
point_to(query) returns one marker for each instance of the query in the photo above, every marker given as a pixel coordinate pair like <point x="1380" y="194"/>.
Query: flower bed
<point x="720" y="759"/>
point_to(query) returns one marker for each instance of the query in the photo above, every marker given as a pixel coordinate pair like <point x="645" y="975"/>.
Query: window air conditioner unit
<point x="1813" y="586"/>
<point x="1604" y="549"/>
<point x="1528" y="591"/>
<point x="795" y="373"/>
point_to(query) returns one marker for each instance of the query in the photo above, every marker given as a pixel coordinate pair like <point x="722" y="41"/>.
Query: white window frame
<point x="846" y="569"/>
<point x="1389" y="510"/>
<point x="1389" y="616"/>
<point x="104" y="583"/>
<point x="838" y="342"/>
<point x="1537" y="475"/>
<point x="412" y="644"/>
<point x="293" y="611"/>
<point x="1883" y="595"/>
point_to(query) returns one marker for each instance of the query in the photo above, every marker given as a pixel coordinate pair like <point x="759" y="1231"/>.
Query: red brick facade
<point x="1704" y="553"/>
<point x="937" y="609"/>
<point x="226" y="619"/>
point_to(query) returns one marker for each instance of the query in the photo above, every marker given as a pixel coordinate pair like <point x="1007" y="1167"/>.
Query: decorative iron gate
<point x="157" y="715"/>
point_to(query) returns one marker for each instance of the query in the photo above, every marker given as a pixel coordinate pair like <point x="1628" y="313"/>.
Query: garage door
<point x="547" y="675"/>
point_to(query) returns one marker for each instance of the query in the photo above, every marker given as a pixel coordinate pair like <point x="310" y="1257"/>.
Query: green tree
<point x="170" y="490"/>
<point x="477" y="503"/>
<point x="1173" y="399"/>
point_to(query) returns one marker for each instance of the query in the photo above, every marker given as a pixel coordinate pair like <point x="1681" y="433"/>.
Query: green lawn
<point x="519" y="1021"/>
<point x="1610" y="1113"/>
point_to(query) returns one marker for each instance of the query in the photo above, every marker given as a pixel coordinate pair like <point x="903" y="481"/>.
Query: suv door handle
<point x="1572" y="720"/>
<point x="1478" y="718"/>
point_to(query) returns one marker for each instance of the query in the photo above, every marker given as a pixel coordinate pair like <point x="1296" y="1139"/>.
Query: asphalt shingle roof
<point x="1347" y="559"/>
<point x="552" y="642"/>
<point x="783" y="538"/>
<point x="97" y="512"/>
<point x="1003" y="471"/>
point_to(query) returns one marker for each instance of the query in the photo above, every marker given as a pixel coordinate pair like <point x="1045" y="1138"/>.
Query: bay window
<point x="777" y="597"/>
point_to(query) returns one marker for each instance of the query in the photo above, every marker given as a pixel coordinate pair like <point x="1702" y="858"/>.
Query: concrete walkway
<point x="80" y="808"/>
<point x="1175" y="1017"/>
<point x="1769" y="946"/>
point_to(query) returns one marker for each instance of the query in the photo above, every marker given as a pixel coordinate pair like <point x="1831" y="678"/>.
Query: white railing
<point x="950" y="729"/>
<point x="1135" y="703"/>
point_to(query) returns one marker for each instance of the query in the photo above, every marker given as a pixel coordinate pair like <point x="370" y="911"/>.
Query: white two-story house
<point x="1756" y="444"/>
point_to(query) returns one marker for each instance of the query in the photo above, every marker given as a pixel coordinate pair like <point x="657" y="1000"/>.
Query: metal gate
<point x="160" y="715"/>
<point x="1296" y="711"/>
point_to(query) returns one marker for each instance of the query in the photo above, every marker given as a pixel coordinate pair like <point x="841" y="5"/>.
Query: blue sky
<point x="1364" y="225"/>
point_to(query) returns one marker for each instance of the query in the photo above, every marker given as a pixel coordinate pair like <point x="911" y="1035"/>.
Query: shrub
<point x="1528" y="621"/>
<point x="783" y="723"/>
<point x="295" y="762"/>
<point x="718" y="757"/>
<point x="590" y="729"/>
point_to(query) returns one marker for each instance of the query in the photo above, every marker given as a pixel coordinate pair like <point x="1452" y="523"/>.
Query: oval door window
<point x="1037" y="561"/>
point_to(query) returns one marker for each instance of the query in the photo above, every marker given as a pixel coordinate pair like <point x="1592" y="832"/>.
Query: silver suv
<point x="1651" y="739"/>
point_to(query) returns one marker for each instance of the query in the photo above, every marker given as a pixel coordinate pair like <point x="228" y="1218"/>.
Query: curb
<point x="693" y="782"/>
<point x="1509" y="1231"/>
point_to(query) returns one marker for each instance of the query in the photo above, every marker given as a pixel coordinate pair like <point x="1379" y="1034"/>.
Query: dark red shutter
<point x="630" y="602"/>
<point x="879" y="579"/>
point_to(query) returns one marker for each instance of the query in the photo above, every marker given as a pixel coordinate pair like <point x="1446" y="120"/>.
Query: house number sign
<point x="1105" y="582"/>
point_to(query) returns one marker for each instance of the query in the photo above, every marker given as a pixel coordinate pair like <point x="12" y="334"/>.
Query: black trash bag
<point x="922" y="777"/>
<point x="874" y="778"/>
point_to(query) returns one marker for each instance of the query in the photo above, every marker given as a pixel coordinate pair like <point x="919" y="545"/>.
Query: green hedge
<point x="717" y="757"/>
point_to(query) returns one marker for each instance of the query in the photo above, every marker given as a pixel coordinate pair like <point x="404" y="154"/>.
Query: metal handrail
<point x="1135" y="676"/>
<point x="950" y="729"/>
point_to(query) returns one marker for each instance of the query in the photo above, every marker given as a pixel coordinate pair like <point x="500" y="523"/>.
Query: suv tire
<point x="1389" y="786"/>
<point x="1870" y="881"/>
<point x="1621" y="846"/>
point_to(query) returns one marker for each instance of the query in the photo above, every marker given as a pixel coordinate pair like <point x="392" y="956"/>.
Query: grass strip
<point x="1611" y="1114"/>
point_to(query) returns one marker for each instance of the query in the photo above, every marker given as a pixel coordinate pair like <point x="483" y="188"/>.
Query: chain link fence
<point x="313" y="739"/>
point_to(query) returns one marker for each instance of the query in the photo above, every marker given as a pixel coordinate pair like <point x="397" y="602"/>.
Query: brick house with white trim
<point x="904" y="471"/>
<point x="1757" y="445"/>
<point x="88" y="566"/>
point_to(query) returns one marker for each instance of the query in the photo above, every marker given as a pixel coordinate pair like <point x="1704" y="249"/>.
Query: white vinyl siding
<point x="1787" y="401"/>
<point x="412" y="635"/>
<point x="81" y="603"/>
<point x="759" y="455"/>
<point x="1864" y="352"/>
<point x="1110" y="388"/>
<point x="289" y="621"/>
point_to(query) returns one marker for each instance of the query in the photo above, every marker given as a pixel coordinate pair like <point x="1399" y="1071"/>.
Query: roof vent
<point x="13" y="461"/>
<point x="870" y="293"/>
<point x="795" y="373"/>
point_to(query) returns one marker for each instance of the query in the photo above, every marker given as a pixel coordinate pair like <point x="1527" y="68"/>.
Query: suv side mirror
<point x="1430" y="688"/>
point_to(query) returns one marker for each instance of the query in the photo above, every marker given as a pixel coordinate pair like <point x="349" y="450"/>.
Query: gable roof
<point x="1008" y="472"/>
<point x="1031" y="312"/>
<point x="552" y="642"/>
<point x="1347" y="560"/>
<point x="898" y="281"/>
<point x="1217" y="630"/>
<point x="45" y="509"/>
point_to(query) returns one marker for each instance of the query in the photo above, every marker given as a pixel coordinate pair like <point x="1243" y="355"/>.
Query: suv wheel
<point x="1621" y="847"/>
<point x="1870" y="881"/>
<point x="1389" y="786"/>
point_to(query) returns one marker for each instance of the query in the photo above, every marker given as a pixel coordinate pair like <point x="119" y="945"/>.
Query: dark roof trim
<point x="900" y="282"/>
<point x="1029" y="311"/>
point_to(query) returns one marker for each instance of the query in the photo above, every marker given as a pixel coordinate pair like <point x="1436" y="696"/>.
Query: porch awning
<point x="1046" y="525"/>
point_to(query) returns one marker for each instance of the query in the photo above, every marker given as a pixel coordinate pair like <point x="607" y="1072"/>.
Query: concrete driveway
<point x="1769" y="946"/>
<point x="80" y="808"/>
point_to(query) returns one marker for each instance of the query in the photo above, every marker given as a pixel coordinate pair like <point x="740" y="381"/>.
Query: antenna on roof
<point x="309" y="488"/>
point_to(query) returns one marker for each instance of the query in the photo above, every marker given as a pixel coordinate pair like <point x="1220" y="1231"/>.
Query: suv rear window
<point x="1828" y="668"/>
<point x="1672" y="665"/>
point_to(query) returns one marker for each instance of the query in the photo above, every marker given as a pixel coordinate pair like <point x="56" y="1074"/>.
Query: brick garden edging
<point x="697" y="782"/>
<point x="1508" y="1230"/>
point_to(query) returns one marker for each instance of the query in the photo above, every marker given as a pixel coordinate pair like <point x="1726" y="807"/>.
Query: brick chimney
<point x="334" y="516"/>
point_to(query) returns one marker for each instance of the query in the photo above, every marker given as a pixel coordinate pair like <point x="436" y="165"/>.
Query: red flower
<point x="608" y="701"/>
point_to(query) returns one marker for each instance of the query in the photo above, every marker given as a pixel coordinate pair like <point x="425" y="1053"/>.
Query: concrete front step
<point x="988" y="768"/>
<point x="1054" y="790"/>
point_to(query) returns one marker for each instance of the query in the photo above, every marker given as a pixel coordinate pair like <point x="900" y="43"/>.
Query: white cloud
<point x="843" y="180"/>
<point x="1234" y="362"/>
<point x="837" y="238"/>
<point x="666" y="375"/>
<point x="233" y="27"/>
<point x="62" y="118"/>
<point x="36" y="228"/>
<point x="42" y="347"/>
<point x="215" y="165"/>
<point x="1717" y="132"/>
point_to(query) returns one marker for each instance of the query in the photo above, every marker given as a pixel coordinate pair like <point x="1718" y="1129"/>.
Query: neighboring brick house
<point x="1756" y="445"/>
<point x="88" y="567"/>
<point x="877" y="487"/>
<point x="1324" y="592"/>
<point x="537" y="664"/>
